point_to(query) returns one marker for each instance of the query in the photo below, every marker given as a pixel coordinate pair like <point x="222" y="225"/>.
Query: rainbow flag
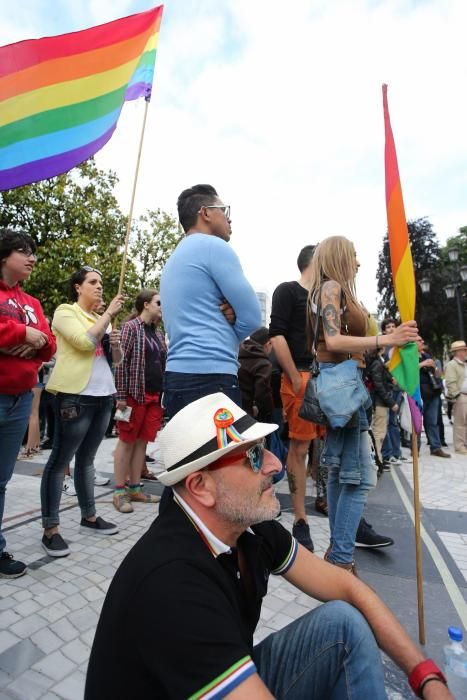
<point x="61" y="96"/>
<point x="404" y="361"/>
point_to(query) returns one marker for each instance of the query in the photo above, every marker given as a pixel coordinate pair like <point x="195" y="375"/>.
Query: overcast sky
<point x="278" y="105"/>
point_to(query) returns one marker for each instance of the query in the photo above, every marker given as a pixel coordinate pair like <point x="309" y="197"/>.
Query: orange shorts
<point x="145" y="420"/>
<point x="299" y="429"/>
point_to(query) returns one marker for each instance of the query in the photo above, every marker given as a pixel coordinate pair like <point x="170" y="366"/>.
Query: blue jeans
<point x="392" y="441"/>
<point x="328" y="653"/>
<point x="346" y="501"/>
<point x="180" y="389"/>
<point x="430" y="415"/>
<point x="14" y="416"/>
<point x="80" y="425"/>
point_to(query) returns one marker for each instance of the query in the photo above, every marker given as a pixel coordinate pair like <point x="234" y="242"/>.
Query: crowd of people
<point x="230" y="392"/>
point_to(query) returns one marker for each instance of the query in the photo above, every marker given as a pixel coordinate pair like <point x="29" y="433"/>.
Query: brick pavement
<point x="48" y="617"/>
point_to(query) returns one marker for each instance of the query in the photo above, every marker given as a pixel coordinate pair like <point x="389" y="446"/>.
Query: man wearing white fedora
<point x="205" y="563"/>
<point x="456" y="386"/>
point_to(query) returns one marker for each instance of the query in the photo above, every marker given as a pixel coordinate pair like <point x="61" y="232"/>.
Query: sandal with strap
<point x="148" y="476"/>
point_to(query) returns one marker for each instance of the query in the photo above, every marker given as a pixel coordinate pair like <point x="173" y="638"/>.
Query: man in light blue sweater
<point x="209" y="306"/>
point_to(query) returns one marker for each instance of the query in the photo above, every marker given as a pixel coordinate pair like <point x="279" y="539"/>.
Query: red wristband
<point x="421" y="671"/>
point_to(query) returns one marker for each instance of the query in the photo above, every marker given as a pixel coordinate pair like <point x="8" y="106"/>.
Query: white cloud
<point x="279" y="107"/>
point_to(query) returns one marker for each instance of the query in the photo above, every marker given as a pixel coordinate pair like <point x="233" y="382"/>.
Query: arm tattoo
<point x="292" y="484"/>
<point x="331" y="320"/>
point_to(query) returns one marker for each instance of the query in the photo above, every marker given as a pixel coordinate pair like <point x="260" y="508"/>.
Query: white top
<point x="101" y="381"/>
<point x="464" y="383"/>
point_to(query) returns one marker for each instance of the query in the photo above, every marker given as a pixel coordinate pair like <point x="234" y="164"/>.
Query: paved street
<point x="48" y="617"/>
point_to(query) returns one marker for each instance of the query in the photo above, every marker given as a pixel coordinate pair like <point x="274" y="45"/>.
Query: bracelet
<point x="420" y="672"/>
<point x="427" y="680"/>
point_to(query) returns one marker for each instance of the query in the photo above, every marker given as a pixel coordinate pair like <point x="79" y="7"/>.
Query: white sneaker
<point x="69" y="486"/>
<point x="394" y="460"/>
<point x="100" y="479"/>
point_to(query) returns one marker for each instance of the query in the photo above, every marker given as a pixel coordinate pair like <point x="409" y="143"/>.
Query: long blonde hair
<point x="334" y="259"/>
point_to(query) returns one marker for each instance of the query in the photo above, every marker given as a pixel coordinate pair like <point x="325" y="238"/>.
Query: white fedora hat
<point x="204" y="431"/>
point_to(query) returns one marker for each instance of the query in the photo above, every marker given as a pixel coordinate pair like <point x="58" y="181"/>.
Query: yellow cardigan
<point x="75" y="349"/>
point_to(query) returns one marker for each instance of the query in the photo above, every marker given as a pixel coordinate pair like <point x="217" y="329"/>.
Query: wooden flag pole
<point x="130" y="215"/>
<point x="418" y="544"/>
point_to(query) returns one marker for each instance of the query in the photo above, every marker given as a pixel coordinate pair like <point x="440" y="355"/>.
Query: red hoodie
<point x="18" y="310"/>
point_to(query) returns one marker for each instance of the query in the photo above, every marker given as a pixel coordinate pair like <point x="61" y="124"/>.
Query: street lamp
<point x="454" y="288"/>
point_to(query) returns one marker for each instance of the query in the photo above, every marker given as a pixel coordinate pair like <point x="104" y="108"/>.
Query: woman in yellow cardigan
<point x="83" y="382"/>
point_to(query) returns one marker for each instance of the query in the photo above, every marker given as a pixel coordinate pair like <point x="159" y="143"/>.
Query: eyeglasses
<point x="255" y="455"/>
<point x="88" y="268"/>
<point x="27" y="252"/>
<point x="225" y="208"/>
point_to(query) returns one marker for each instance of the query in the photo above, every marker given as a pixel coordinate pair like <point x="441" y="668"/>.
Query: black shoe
<point x="55" y="546"/>
<point x="301" y="532"/>
<point x="10" y="568"/>
<point x="387" y="465"/>
<point x="99" y="527"/>
<point x="150" y="459"/>
<point x="47" y="445"/>
<point x="367" y="537"/>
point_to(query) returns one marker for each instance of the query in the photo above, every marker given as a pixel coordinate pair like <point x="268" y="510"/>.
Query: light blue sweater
<point x="202" y="272"/>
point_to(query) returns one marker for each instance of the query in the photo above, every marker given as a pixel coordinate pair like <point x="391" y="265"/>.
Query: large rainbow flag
<point x="404" y="361"/>
<point x="61" y="96"/>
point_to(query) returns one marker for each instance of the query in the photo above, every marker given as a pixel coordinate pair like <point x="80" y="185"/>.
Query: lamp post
<point x="454" y="288"/>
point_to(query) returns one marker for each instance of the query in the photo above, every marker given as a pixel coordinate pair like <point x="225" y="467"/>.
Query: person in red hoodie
<point x="26" y="341"/>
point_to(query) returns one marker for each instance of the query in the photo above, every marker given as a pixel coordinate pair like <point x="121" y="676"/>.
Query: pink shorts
<point x="145" y="420"/>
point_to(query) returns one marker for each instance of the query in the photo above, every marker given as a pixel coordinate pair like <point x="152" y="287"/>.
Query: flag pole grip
<point x="418" y="543"/>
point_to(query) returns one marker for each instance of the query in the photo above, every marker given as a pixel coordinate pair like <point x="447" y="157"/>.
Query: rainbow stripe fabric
<point x="404" y="361"/>
<point x="61" y="96"/>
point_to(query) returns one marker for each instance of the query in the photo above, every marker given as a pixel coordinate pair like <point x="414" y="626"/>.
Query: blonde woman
<point x="342" y="334"/>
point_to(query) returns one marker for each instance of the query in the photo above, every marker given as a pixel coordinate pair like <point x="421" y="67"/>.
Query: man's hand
<point x="228" y="312"/>
<point x="121" y="405"/>
<point x="22" y="350"/>
<point x="428" y="363"/>
<point x="395" y="408"/>
<point x="35" y="338"/>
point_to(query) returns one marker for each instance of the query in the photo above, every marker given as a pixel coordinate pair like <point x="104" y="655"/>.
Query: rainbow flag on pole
<point x="404" y="361"/>
<point x="61" y="96"/>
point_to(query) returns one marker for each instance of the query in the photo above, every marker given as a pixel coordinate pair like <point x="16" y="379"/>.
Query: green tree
<point x="75" y="219"/>
<point x="435" y="314"/>
<point x="152" y="241"/>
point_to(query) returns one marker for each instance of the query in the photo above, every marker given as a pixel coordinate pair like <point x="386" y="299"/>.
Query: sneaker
<point x="100" y="479"/>
<point x="394" y="460"/>
<point x="10" y="568"/>
<point x="55" y="546"/>
<point x="149" y="459"/>
<point x="387" y="464"/>
<point x="122" y="503"/>
<point x="301" y="532"/>
<point x="69" y="486"/>
<point x="99" y="527"/>
<point x="140" y="497"/>
<point x="367" y="537"/>
<point x="405" y="460"/>
<point x="440" y="453"/>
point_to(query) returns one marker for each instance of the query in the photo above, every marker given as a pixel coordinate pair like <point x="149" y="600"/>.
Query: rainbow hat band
<point x="224" y="420"/>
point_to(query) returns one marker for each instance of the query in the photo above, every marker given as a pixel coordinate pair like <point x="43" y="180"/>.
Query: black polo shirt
<point x="288" y="318"/>
<point x="178" y="620"/>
